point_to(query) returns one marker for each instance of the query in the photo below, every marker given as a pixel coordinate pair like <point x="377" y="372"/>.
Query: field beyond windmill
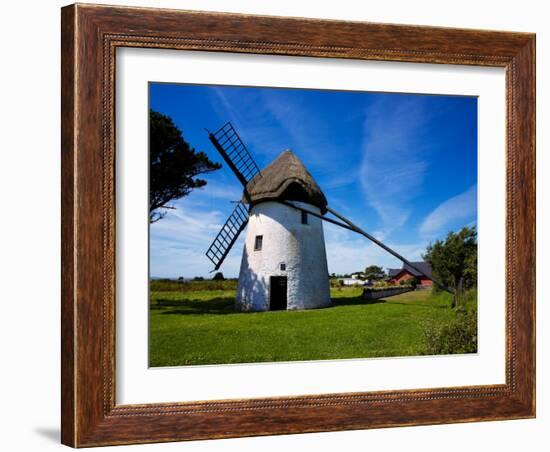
<point x="195" y="323"/>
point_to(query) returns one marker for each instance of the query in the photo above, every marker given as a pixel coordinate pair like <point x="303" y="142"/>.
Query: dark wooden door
<point x="277" y="300"/>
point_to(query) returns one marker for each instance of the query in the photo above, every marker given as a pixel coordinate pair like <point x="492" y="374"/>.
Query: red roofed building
<point x="397" y="275"/>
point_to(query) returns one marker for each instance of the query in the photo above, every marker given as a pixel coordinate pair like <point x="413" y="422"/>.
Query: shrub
<point x="413" y="282"/>
<point x="381" y="284"/>
<point x="470" y="297"/>
<point x="459" y="335"/>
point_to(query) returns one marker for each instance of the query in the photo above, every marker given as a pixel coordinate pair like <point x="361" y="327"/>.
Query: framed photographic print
<point x="281" y="225"/>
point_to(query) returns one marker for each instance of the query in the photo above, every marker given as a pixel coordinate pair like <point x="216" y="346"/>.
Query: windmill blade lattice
<point x="228" y="235"/>
<point x="229" y="144"/>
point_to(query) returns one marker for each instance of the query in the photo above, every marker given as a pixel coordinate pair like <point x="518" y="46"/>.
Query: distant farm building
<point x="406" y="273"/>
<point x="351" y="281"/>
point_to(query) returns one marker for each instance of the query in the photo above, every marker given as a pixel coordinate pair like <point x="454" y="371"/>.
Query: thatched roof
<point x="286" y="178"/>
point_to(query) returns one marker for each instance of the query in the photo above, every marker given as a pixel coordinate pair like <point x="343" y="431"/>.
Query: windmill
<point x="284" y="263"/>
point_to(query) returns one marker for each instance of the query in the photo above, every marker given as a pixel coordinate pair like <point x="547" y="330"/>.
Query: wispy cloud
<point x="395" y="159"/>
<point x="294" y="119"/>
<point x="179" y="242"/>
<point x="271" y="121"/>
<point x="306" y="132"/>
<point x="249" y="115"/>
<point x="456" y="211"/>
<point x="185" y="224"/>
<point x="219" y="192"/>
<point x="348" y="252"/>
<point x="224" y="107"/>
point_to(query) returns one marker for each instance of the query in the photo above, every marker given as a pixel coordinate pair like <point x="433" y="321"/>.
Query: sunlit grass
<point x="201" y="327"/>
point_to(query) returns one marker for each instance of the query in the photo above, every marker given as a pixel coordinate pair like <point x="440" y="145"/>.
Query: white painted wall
<point x="352" y="282"/>
<point x="301" y="247"/>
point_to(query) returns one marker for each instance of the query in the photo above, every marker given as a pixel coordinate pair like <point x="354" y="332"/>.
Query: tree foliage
<point x="374" y="272"/>
<point x="174" y="165"/>
<point x="412" y="281"/>
<point x="458" y="335"/>
<point x="454" y="260"/>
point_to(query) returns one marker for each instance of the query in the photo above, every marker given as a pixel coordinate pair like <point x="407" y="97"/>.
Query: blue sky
<point x="401" y="166"/>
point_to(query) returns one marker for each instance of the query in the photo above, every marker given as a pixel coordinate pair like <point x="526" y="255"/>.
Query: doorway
<point x="277" y="299"/>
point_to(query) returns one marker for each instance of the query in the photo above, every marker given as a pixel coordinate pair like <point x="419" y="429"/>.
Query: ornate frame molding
<point x="90" y="36"/>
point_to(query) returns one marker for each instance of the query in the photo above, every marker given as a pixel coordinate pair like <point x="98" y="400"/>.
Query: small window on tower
<point x="304" y="217"/>
<point x="282" y="266"/>
<point x="258" y="242"/>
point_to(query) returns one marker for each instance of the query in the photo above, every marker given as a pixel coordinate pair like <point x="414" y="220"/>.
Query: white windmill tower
<point x="284" y="263"/>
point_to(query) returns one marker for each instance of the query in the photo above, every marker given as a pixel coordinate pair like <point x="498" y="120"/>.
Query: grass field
<point x="200" y="327"/>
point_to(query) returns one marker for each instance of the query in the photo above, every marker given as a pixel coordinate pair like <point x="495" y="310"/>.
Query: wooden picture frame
<point x="90" y="36"/>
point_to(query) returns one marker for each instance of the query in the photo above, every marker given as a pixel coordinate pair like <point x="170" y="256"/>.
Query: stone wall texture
<point x="376" y="294"/>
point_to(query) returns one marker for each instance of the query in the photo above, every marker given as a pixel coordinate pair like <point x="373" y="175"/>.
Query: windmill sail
<point x="229" y="144"/>
<point x="355" y="228"/>
<point x="228" y="235"/>
<point x="347" y="224"/>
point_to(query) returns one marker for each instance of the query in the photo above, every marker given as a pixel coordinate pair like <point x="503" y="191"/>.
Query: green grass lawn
<point x="201" y="327"/>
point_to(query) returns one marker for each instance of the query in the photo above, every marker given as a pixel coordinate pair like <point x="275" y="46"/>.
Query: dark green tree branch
<point x="454" y="260"/>
<point x="174" y="165"/>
